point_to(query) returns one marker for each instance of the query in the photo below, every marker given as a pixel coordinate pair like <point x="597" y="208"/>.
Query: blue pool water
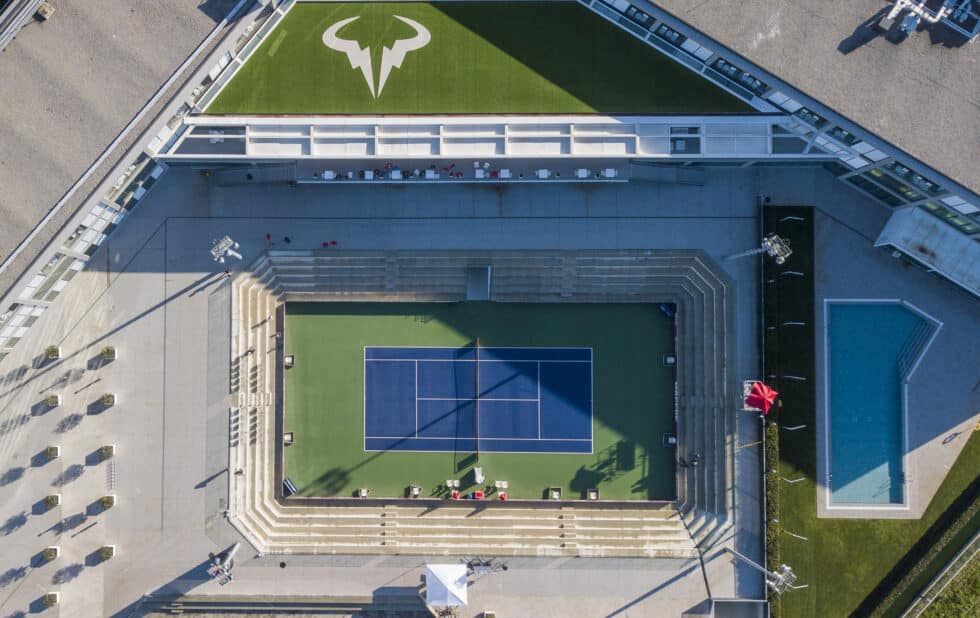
<point x="869" y="345"/>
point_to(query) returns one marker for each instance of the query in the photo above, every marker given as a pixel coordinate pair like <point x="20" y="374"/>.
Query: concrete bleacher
<point x="701" y="513"/>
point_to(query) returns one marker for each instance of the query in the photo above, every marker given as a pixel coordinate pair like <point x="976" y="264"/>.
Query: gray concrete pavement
<point x="921" y="95"/>
<point x="154" y="292"/>
<point x="150" y="292"/>
<point x="72" y="83"/>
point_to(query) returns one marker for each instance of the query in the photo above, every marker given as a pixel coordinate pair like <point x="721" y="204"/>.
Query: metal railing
<point x="942" y="579"/>
<point x="15" y="17"/>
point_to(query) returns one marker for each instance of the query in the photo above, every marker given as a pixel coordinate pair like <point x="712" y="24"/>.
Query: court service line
<point x="468" y="360"/>
<point x="410" y="438"/>
<point x="539" y="400"/>
<point x="470" y="399"/>
<point x="416" y="399"/>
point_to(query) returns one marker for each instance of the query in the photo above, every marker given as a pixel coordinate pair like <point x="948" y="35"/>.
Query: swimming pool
<point x="872" y="349"/>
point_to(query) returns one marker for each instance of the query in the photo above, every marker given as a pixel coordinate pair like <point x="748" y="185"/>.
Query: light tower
<point x="772" y="245"/>
<point x="221" y="564"/>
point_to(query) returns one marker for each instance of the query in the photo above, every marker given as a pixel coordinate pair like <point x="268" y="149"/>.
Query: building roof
<point x="461" y="58"/>
<point x="922" y="95"/>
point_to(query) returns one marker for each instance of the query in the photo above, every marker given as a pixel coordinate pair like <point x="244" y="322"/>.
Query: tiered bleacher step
<point x="704" y="394"/>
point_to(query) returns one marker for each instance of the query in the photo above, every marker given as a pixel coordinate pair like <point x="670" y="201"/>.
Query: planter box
<point x="50" y="553"/>
<point x="52" y="401"/>
<point x="107" y="551"/>
<point x="52" y="352"/>
<point x="108" y="399"/>
<point x="109" y="353"/>
<point x="52" y="500"/>
<point x="108" y="501"/>
<point x="107" y="451"/>
<point x="52" y="452"/>
<point x="51" y="599"/>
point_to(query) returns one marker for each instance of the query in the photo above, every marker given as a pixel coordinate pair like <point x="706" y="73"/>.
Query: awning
<point x="445" y="585"/>
<point x="761" y="397"/>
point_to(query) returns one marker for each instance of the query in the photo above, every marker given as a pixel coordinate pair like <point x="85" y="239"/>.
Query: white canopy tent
<point x="445" y="585"/>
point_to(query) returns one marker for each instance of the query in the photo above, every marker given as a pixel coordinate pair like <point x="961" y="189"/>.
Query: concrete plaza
<point x="154" y="293"/>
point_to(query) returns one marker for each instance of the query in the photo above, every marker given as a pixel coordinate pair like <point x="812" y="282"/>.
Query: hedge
<point x="925" y="559"/>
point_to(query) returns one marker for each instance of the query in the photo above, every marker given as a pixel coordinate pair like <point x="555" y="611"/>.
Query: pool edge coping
<point x="868" y="510"/>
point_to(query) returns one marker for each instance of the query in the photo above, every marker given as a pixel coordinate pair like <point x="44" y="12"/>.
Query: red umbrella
<point x="761" y="396"/>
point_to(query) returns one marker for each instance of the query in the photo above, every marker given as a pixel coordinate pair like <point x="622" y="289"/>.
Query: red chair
<point x="502" y="495"/>
<point x="455" y="494"/>
<point x="478" y="495"/>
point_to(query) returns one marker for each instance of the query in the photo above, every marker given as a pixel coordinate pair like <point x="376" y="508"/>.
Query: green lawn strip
<point x="633" y="396"/>
<point x="788" y="351"/>
<point x="844" y="560"/>
<point x="483" y="58"/>
<point x="951" y="531"/>
<point x="961" y="598"/>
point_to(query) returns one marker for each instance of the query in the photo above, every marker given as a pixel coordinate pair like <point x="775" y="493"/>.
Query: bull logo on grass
<point x="391" y="57"/>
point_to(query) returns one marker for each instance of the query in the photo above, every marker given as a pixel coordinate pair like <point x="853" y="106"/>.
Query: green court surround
<point x="633" y="397"/>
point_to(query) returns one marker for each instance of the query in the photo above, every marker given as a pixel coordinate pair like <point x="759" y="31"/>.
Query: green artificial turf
<point x="483" y="58"/>
<point x="632" y="399"/>
<point x="844" y="560"/>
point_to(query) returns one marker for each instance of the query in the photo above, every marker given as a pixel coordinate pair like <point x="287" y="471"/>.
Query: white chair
<point x="543" y="174"/>
<point x="396" y="174"/>
<point x="431" y="175"/>
<point x="610" y="172"/>
<point x="328" y="175"/>
<point x="581" y="173"/>
<point x="368" y="174"/>
<point x="505" y="173"/>
<point x="479" y="173"/>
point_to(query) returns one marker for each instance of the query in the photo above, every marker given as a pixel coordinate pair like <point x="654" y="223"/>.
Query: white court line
<point x="409" y="438"/>
<point x="464" y="360"/>
<point x="539" y="400"/>
<point x="416" y="399"/>
<point x="469" y="399"/>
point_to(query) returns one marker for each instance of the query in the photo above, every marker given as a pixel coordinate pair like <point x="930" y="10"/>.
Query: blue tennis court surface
<point x="514" y="400"/>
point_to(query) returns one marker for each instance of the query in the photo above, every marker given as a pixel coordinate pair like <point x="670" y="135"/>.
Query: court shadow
<point x="68" y="423"/>
<point x="466" y="462"/>
<point x="41" y="408"/>
<point x="590" y="66"/>
<point x="863" y="34"/>
<point x="216" y="10"/>
<point x="586" y="479"/>
<point x="68" y="573"/>
<point x="333" y="481"/>
<point x="12" y="475"/>
<point x="625" y="455"/>
<point x="68" y="475"/>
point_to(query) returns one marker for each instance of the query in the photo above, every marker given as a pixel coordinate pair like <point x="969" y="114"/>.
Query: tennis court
<point x="483" y="399"/>
<point x="605" y="398"/>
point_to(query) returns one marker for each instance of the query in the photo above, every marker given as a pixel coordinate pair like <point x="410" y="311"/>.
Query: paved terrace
<point x="921" y="95"/>
<point x="155" y="294"/>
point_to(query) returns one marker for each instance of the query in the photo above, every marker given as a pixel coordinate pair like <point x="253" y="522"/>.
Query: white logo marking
<point x="391" y="58"/>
